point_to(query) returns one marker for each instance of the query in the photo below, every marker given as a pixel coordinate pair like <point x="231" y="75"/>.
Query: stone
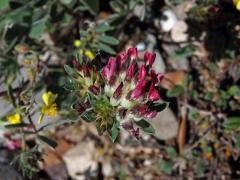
<point x="179" y="32"/>
<point x="168" y="21"/>
<point x="81" y="161"/>
<point x="107" y="169"/>
<point x="159" y="65"/>
<point x="165" y="125"/>
<point x="8" y="172"/>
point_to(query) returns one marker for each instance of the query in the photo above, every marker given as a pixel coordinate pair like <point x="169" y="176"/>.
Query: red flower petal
<point x="109" y="70"/>
<point x="132" y="52"/>
<point x="149" y="58"/>
<point x="142" y="73"/>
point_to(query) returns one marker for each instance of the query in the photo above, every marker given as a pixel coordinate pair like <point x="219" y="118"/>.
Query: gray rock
<point x="165" y="124"/>
<point x="81" y="161"/>
<point x="9" y="173"/>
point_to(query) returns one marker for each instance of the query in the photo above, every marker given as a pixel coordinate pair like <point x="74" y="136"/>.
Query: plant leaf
<point x="51" y="143"/>
<point x="4" y="4"/>
<point x="114" y="131"/>
<point x="183" y="52"/>
<point x="86" y="116"/>
<point x="37" y="29"/>
<point x="166" y="166"/>
<point x="158" y="106"/>
<point x="106" y="48"/>
<point x="107" y="39"/>
<point x="117" y="6"/>
<point x="232" y="123"/>
<point x="70" y="71"/>
<point x="145" y="126"/>
<point x="175" y="91"/>
<point x="103" y="27"/>
<point x="92" y="5"/>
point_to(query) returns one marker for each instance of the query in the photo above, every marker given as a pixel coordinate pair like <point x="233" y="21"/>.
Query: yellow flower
<point x="50" y="107"/>
<point x="77" y="43"/>
<point x="237" y="4"/>
<point x="14" y="118"/>
<point x="89" y="54"/>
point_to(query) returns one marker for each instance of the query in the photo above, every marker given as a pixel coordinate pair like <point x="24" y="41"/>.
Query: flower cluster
<point x="123" y="95"/>
<point x="50" y="107"/>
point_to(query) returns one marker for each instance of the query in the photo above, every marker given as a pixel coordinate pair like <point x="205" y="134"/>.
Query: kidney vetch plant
<point x="124" y="94"/>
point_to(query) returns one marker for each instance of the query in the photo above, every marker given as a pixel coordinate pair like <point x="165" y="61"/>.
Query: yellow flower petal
<point x="89" y="54"/>
<point x="238" y="5"/>
<point x="48" y="98"/>
<point x="235" y="1"/>
<point x="77" y="43"/>
<point x="14" y="118"/>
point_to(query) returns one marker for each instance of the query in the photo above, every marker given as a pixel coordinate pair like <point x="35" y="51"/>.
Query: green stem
<point x="10" y="94"/>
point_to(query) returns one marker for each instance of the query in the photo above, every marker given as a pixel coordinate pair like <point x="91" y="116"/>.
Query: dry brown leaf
<point x="172" y="79"/>
<point x="54" y="157"/>
<point x="182" y="130"/>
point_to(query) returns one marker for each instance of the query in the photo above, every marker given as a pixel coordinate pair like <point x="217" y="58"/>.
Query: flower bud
<point x="80" y="108"/>
<point x="121" y="59"/>
<point x="130" y="72"/>
<point x="94" y="89"/>
<point x="149" y="58"/>
<point x="142" y="73"/>
<point x="135" y="133"/>
<point x="132" y="52"/>
<point x="109" y="70"/>
<point x="86" y="70"/>
<point x="151" y="114"/>
<point x="138" y="91"/>
<point x="153" y="93"/>
<point x="122" y="112"/>
<point x="118" y="91"/>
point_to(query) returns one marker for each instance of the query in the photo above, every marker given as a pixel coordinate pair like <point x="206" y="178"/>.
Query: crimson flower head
<point x="125" y="96"/>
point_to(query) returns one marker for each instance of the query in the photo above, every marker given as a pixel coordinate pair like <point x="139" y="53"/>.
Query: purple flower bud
<point x="142" y="73"/>
<point x="130" y="72"/>
<point x="138" y="91"/>
<point x="76" y="64"/>
<point x="94" y="89"/>
<point x="121" y="59"/>
<point x="86" y="71"/>
<point x="132" y="52"/>
<point x="127" y="125"/>
<point x="122" y="113"/>
<point x="118" y="91"/>
<point x="135" y="133"/>
<point x="153" y="93"/>
<point x="149" y="58"/>
<point x="151" y="114"/>
<point x="109" y="70"/>
<point x="160" y="77"/>
<point x="80" y="108"/>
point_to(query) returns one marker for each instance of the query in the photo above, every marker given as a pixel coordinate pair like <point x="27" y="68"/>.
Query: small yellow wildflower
<point x="14" y="118"/>
<point x="77" y="43"/>
<point x="50" y="107"/>
<point x="89" y="54"/>
<point x="237" y="4"/>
